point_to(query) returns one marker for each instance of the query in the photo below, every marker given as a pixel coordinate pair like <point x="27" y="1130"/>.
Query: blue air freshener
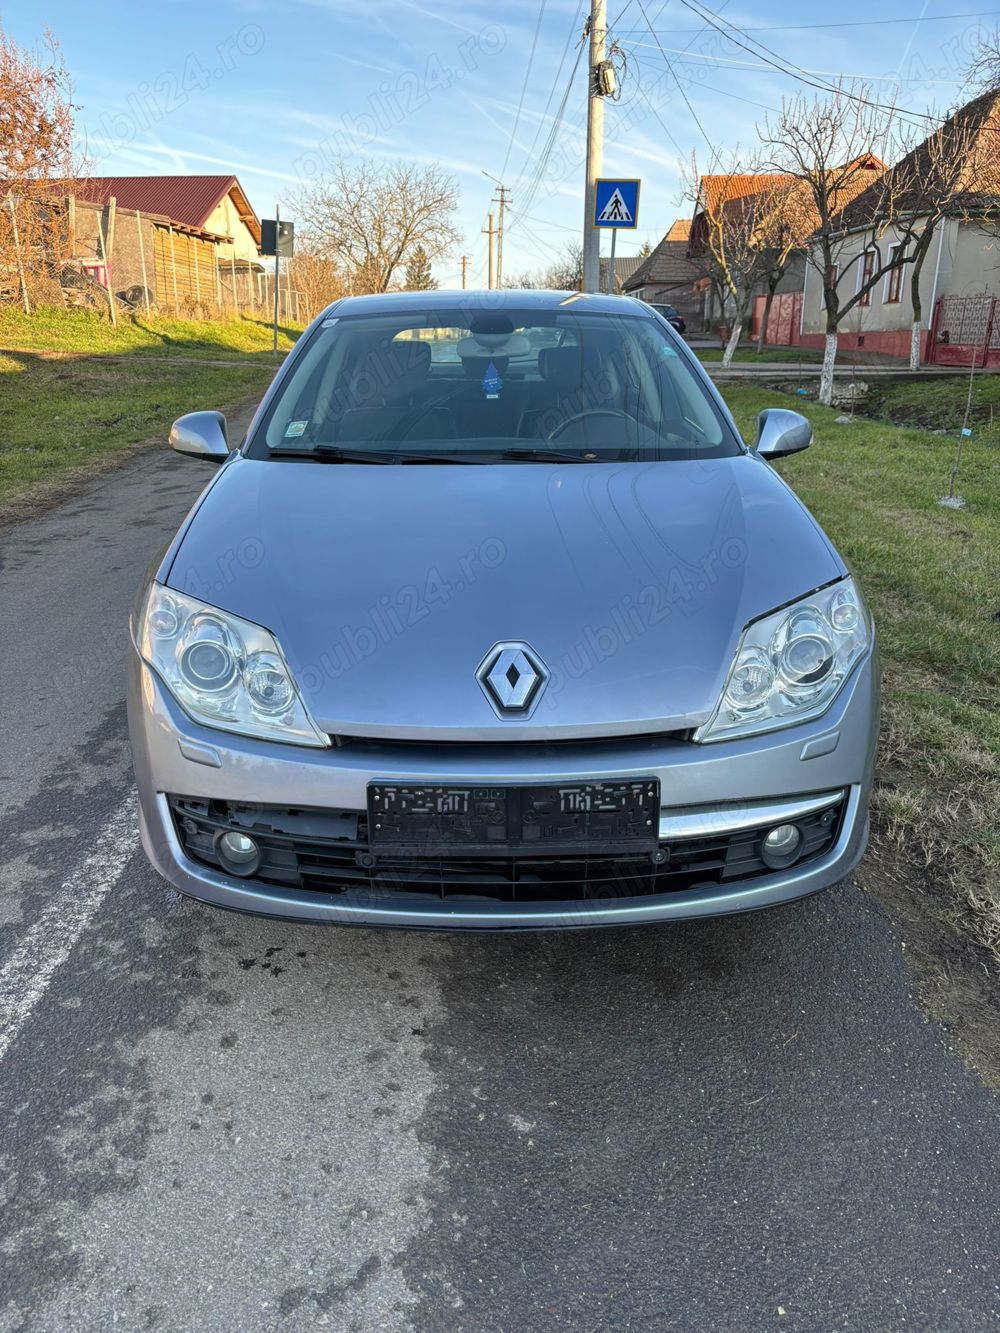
<point x="492" y="383"/>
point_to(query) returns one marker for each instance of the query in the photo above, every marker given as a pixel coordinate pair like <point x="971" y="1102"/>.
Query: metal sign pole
<point x="107" y="270"/>
<point x="277" y="275"/>
<point x="612" y="285"/>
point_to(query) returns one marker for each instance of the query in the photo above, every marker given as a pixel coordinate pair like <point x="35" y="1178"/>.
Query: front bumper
<point x="720" y="786"/>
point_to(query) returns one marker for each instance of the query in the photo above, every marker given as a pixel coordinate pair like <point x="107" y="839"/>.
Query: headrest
<point x="390" y="372"/>
<point x="410" y="355"/>
<point x="493" y="345"/>
<point x="566" y="367"/>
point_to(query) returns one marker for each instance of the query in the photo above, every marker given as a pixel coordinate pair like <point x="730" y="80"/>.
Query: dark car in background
<point x="671" y="314"/>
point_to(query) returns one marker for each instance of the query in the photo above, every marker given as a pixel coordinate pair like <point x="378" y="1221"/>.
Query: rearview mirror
<point x="781" y="432"/>
<point x="201" y="435"/>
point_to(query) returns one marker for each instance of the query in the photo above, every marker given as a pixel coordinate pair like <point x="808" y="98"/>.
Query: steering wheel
<point x="614" y="413"/>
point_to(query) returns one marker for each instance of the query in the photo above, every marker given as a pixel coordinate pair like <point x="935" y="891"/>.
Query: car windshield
<point x="492" y="385"/>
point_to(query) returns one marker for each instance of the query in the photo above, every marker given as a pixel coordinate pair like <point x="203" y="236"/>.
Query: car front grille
<point x="327" y="851"/>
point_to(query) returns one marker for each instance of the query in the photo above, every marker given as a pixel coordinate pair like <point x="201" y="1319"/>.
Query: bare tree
<point x="938" y="178"/>
<point x="784" y="232"/>
<point x="736" y="218"/>
<point x="371" y="218"/>
<point x="834" y="148"/>
<point x="566" y="273"/>
<point x="984" y="68"/>
<point x="36" y="152"/>
<point x="320" y="279"/>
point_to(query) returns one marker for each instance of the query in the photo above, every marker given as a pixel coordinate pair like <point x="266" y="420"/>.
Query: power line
<point x="749" y="64"/>
<point x="784" y="66"/>
<point x="531" y="189"/>
<point x="851" y="23"/>
<point x="524" y="85"/>
<point x="687" y="100"/>
<point x="552" y="91"/>
<point x="557" y="226"/>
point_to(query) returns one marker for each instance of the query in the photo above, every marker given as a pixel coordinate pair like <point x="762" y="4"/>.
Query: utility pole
<point x="502" y="197"/>
<point x="490" y="232"/>
<point x="595" y="143"/>
<point x="465" y="270"/>
<point x="503" y="200"/>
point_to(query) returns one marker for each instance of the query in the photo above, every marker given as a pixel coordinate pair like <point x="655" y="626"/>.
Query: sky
<point x="275" y="91"/>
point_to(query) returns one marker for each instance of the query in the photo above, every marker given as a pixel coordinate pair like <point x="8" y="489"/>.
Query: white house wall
<point x="962" y="260"/>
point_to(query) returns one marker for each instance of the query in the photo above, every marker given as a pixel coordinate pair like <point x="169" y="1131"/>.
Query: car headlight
<point x="790" y="665"/>
<point x="223" y="671"/>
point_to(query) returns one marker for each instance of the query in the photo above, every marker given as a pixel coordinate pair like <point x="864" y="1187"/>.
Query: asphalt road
<point x="214" y="1122"/>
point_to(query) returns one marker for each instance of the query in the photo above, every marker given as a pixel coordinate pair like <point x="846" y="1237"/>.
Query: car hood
<point x="388" y="585"/>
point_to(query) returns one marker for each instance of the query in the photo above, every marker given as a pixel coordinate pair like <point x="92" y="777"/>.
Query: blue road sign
<point x="616" y="204"/>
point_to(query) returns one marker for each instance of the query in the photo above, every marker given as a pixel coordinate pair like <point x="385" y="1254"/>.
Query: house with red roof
<point x="212" y="205"/>
<point x="191" y="243"/>
<point x="952" y="178"/>
<point x="782" y="205"/>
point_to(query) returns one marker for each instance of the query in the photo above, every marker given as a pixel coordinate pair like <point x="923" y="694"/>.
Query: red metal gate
<point x="965" y="329"/>
<point x="784" y="321"/>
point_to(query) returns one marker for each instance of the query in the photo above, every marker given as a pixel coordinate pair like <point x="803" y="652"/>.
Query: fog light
<point x="781" y="846"/>
<point x="239" y="854"/>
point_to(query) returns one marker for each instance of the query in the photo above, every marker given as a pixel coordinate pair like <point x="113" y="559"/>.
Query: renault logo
<point x="512" y="676"/>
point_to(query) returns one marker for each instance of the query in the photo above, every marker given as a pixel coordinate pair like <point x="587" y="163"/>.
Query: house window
<point x="894" y="282"/>
<point x="867" y="269"/>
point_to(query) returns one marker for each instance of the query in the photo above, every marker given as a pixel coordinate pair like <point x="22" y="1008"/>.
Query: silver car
<point x="492" y="621"/>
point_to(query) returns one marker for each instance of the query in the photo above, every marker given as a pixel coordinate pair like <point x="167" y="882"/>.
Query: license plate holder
<point x="454" y="819"/>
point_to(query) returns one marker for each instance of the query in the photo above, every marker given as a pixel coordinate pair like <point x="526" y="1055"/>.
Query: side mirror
<point x="780" y="432"/>
<point x="201" y="435"/>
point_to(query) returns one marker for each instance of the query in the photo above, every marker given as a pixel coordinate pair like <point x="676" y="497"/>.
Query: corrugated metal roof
<point x="187" y="199"/>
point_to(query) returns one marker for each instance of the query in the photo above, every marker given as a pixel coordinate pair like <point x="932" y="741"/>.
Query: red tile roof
<point x="966" y="144"/>
<point x="679" y="231"/>
<point x="727" y="193"/>
<point x="186" y="199"/>
<point x="716" y="190"/>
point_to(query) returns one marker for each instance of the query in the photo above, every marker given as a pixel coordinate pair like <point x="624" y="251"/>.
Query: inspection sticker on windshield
<point x="294" y="429"/>
<point x="492" y="383"/>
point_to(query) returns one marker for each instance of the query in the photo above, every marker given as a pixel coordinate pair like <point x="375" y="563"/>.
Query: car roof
<point x="468" y="302"/>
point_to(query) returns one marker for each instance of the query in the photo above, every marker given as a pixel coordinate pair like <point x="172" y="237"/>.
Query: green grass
<point x="66" y="414"/>
<point x="768" y="356"/>
<point x="932" y="578"/>
<point x="92" y="334"/>
<point x="939" y="403"/>
<point x="60" y="417"/>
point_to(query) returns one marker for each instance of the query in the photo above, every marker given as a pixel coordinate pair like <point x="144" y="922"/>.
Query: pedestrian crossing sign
<point x="616" y="204"/>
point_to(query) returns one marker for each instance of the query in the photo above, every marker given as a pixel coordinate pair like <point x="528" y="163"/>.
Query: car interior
<point x="492" y="380"/>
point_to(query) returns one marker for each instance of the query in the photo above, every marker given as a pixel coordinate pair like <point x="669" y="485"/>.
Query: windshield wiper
<point x="323" y="453"/>
<point x="541" y="455"/>
<point x="335" y="453"/>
